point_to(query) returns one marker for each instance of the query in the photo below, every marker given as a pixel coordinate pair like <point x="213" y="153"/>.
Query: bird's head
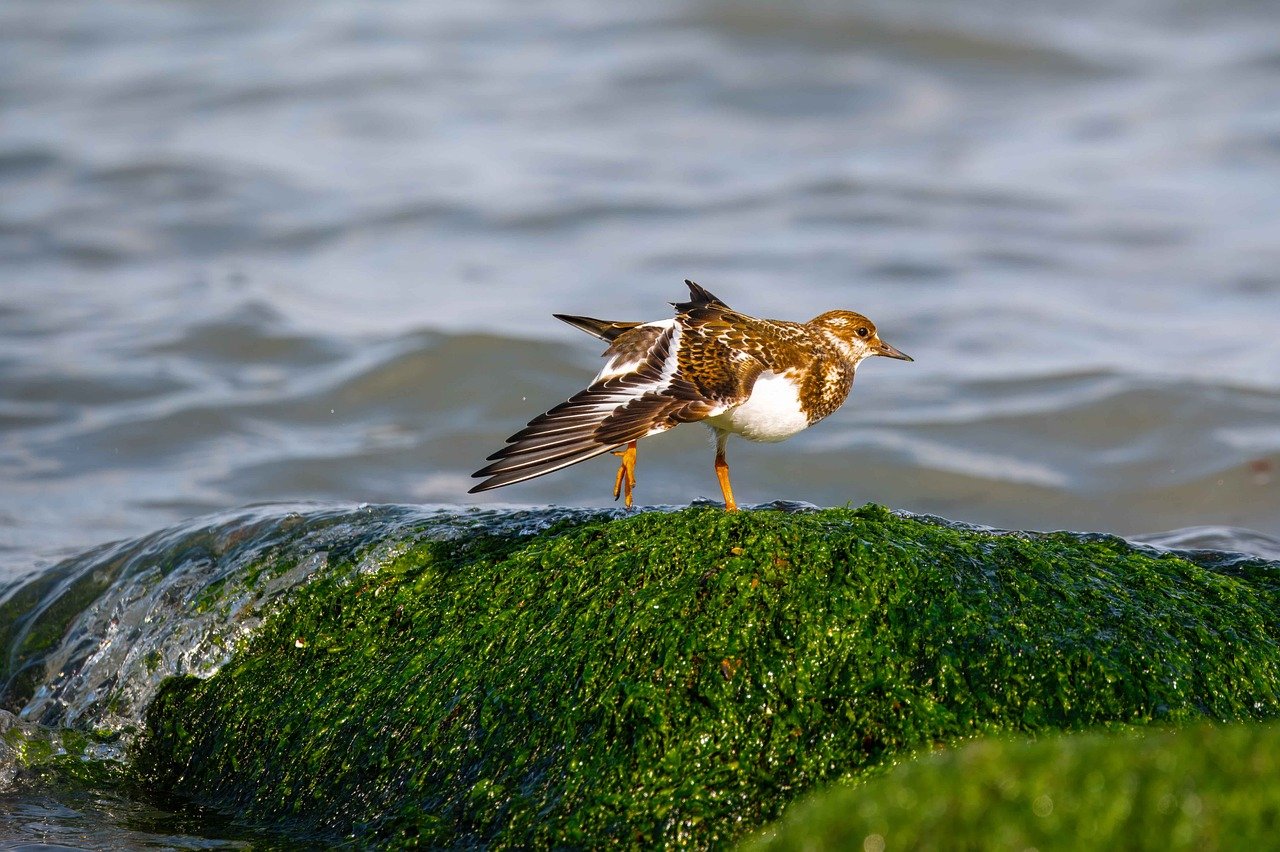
<point x="854" y="335"/>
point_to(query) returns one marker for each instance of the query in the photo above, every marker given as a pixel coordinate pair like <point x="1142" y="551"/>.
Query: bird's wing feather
<point x="629" y="350"/>
<point x="603" y="329"/>
<point x="567" y="434"/>
<point x="651" y="397"/>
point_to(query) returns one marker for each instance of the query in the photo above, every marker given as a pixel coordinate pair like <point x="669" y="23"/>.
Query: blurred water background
<point x="261" y="251"/>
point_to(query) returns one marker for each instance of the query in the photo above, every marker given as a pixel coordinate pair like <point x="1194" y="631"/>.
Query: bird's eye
<point x="863" y="331"/>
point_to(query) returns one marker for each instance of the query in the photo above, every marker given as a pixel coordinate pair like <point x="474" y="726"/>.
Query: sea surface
<point x="307" y="251"/>
<point x="282" y="251"/>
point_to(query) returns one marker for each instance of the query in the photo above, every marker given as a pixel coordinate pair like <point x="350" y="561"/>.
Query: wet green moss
<point x="34" y="754"/>
<point x="677" y="679"/>
<point x="26" y="749"/>
<point x="1205" y="787"/>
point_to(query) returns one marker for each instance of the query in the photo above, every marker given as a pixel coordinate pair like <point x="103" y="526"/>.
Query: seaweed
<point x="677" y="679"/>
<point x="1202" y="787"/>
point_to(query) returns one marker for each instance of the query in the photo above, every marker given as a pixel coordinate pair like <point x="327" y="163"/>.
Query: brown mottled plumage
<point x="762" y="379"/>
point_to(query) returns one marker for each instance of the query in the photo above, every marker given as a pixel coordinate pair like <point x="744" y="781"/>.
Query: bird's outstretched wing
<point x="659" y="375"/>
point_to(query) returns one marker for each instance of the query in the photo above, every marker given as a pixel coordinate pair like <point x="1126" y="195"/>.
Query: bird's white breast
<point x="771" y="413"/>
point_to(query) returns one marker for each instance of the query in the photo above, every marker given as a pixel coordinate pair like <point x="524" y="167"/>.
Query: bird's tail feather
<point x="604" y="329"/>
<point x="699" y="297"/>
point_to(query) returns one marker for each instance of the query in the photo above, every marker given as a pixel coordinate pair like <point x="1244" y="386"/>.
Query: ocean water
<point x="283" y="251"/>
<point x="280" y="251"/>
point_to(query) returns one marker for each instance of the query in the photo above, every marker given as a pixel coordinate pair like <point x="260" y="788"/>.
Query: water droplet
<point x="1042" y="806"/>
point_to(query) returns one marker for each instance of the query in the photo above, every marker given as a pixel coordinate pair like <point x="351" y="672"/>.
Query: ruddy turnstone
<point x="762" y="379"/>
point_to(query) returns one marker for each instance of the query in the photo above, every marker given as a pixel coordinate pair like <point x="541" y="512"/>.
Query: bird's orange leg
<point x="722" y="473"/>
<point x="626" y="480"/>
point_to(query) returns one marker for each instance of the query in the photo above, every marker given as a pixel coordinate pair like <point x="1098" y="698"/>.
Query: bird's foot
<point x="625" y="482"/>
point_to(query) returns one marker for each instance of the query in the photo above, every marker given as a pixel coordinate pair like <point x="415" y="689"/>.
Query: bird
<point x="762" y="379"/>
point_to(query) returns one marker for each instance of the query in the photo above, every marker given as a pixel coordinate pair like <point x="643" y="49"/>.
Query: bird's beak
<point x="882" y="348"/>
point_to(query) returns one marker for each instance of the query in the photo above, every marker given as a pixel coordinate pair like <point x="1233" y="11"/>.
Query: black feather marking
<point x="603" y="329"/>
<point x="699" y="297"/>
<point x="541" y="444"/>
<point x="540" y="456"/>
<point x="512" y="476"/>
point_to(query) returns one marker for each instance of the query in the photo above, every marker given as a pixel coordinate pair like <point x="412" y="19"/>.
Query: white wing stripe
<point x="617" y="368"/>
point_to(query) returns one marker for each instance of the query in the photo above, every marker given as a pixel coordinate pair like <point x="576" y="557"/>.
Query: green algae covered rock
<point x="678" y="678"/>
<point x="1205" y="787"/>
<point x="31" y="753"/>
